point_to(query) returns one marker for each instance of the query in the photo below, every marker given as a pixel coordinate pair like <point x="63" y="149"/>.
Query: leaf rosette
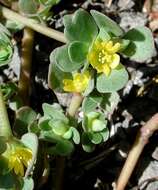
<point x="95" y="130"/>
<point x="6" y="48"/>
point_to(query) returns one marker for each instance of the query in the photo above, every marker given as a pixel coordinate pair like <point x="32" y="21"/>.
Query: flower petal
<point x="115" y="62"/>
<point x="106" y="70"/>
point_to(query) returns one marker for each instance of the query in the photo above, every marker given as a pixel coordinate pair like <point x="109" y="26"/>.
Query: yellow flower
<point x="103" y="56"/>
<point x="17" y="157"/>
<point x="78" y="84"/>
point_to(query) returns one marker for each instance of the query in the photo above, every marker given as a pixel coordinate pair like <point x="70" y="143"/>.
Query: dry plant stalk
<point x="26" y="59"/>
<point x="11" y="15"/>
<point x="141" y="140"/>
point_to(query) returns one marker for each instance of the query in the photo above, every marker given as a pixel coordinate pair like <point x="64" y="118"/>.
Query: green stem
<point x="60" y="162"/>
<point x="11" y="15"/>
<point x="5" y="129"/>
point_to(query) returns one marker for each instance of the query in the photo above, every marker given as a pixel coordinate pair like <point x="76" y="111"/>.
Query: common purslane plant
<point x="91" y="62"/>
<point x="90" y="67"/>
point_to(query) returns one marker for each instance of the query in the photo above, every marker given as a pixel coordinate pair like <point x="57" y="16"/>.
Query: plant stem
<point x="60" y="162"/>
<point x="26" y="59"/>
<point x="74" y="104"/>
<point x="11" y="15"/>
<point x="141" y="140"/>
<point x="5" y="129"/>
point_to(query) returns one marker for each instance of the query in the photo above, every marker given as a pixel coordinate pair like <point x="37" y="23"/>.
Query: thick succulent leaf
<point x="68" y="134"/>
<point x="87" y="145"/>
<point x="4" y="30"/>
<point x="49" y="136"/>
<point x="75" y="135"/>
<point x="91" y="102"/>
<point x="24" y="117"/>
<point x="106" y="23"/>
<point x="124" y="44"/>
<point x="54" y="111"/>
<point x="31" y="141"/>
<point x="110" y="101"/>
<point x="141" y="47"/>
<point x="62" y="148"/>
<point x="29" y="6"/>
<point x="44" y="124"/>
<point x="28" y="184"/>
<point x="56" y="77"/>
<point x="88" y="148"/>
<point x="78" y="51"/>
<point x="3" y="144"/>
<point x="6" y="49"/>
<point x="61" y="57"/>
<point x="14" y="26"/>
<point x="58" y="127"/>
<point x="90" y="87"/>
<point x="80" y="27"/>
<point x="105" y="134"/>
<point x="114" y="82"/>
<point x="104" y="35"/>
<point x="96" y="138"/>
<point x="99" y="125"/>
<point x="9" y="182"/>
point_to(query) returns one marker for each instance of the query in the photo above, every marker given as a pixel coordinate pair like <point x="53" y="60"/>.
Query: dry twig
<point x="141" y="140"/>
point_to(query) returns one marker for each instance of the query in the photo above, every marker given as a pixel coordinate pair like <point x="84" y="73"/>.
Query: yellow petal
<point x="68" y="85"/>
<point x="18" y="167"/>
<point x="107" y="70"/>
<point x="115" y="62"/>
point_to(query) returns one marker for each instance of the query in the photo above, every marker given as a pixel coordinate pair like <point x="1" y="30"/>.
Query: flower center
<point x="104" y="57"/>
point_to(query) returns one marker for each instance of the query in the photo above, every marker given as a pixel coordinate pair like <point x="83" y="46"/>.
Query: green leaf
<point x="4" y="30"/>
<point x="6" y="49"/>
<point x="29" y="6"/>
<point x="106" y="23"/>
<point x="124" y="44"/>
<point x="56" y="77"/>
<point x="141" y="47"/>
<point x="31" y="141"/>
<point x="99" y="125"/>
<point x="75" y="135"/>
<point x="91" y="102"/>
<point x="14" y="26"/>
<point x="68" y="134"/>
<point x="85" y="138"/>
<point x="4" y="169"/>
<point x="105" y="134"/>
<point x="88" y="148"/>
<point x="58" y="127"/>
<point x="9" y="90"/>
<point x="117" y="80"/>
<point x="110" y="101"/>
<point x="44" y="124"/>
<point x="80" y="27"/>
<point x="95" y="138"/>
<point x="61" y="57"/>
<point x="3" y="145"/>
<point x="49" y="136"/>
<point x="90" y="87"/>
<point x="9" y="182"/>
<point x="78" y="51"/>
<point x="62" y="148"/>
<point x="24" y="117"/>
<point x="103" y="35"/>
<point x="54" y="111"/>
<point x="28" y="184"/>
